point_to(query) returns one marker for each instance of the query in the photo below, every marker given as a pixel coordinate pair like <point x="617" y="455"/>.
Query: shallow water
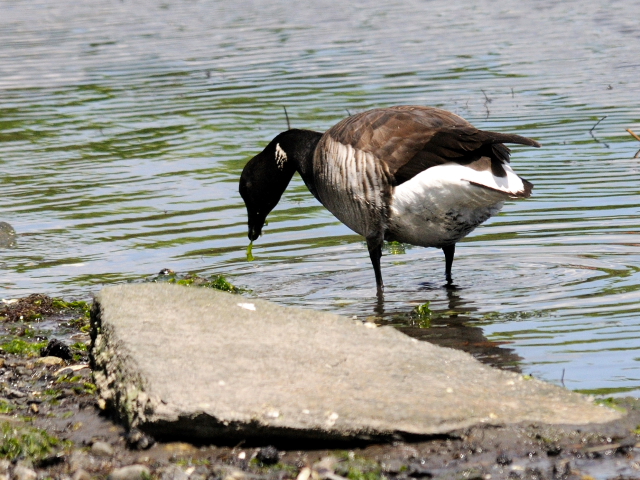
<point x="124" y="126"/>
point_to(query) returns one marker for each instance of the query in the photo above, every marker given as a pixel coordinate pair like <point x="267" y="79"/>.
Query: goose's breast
<point x="352" y="185"/>
<point x="443" y="204"/>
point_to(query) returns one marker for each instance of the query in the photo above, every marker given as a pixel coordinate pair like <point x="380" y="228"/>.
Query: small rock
<point x="71" y="369"/>
<point x="50" y="361"/>
<point x="34" y="408"/>
<point x="234" y="474"/>
<point x="64" y="393"/>
<point x="393" y="466"/>
<point x="101" y="449"/>
<point x="173" y="472"/>
<point x="503" y="459"/>
<point x="80" y="460"/>
<point x="268" y="455"/>
<point x="132" y="472"/>
<point x="7" y="235"/>
<point x="137" y="440"/>
<point x="417" y="470"/>
<point x="55" y="348"/>
<point x="13" y="393"/>
<point x="24" y="473"/>
<point x="81" y="475"/>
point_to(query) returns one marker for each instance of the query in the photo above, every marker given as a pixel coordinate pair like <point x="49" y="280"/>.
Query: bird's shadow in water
<point x="453" y="327"/>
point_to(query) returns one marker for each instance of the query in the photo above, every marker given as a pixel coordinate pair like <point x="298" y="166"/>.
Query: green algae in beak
<point x="249" y="254"/>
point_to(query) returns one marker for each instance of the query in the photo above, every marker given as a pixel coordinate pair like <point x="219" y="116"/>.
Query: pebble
<point x="268" y="455"/>
<point x="173" y="472"/>
<point x="71" y="369"/>
<point x="81" y="475"/>
<point x="13" y="393"/>
<point x="80" y="460"/>
<point x="24" y="473"/>
<point x="102" y="449"/>
<point x="132" y="472"/>
<point x="56" y="348"/>
<point x="49" y="361"/>
<point x="137" y="440"/>
<point x="234" y="474"/>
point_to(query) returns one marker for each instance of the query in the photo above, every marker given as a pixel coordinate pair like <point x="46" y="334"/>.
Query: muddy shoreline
<point x="54" y="427"/>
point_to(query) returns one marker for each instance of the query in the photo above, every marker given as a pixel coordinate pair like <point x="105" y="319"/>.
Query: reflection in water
<point x="453" y="328"/>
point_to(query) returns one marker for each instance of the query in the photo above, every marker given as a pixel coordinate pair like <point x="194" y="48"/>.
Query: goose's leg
<point x="449" y="252"/>
<point x="375" y="252"/>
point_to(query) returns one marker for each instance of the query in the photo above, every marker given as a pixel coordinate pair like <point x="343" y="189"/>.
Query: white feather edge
<point x="440" y="205"/>
<point x="455" y="176"/>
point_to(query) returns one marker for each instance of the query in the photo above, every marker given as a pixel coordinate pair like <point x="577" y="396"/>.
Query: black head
<point x="266" y="176"/>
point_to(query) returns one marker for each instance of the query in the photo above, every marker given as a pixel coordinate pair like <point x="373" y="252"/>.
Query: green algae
<point x="22" y="441"/>
<point x="6" y="407"/>
<point x="216" y="282"/>
<point x="18" y="346"/>
<point x="396" y="248"/>
<point x="37" y="306"/>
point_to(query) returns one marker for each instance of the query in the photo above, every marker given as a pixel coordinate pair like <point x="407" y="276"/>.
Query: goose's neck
<point x="299" y="146"/>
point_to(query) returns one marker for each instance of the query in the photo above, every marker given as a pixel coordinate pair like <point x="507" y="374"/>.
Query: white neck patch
<point x="281" y="156"/>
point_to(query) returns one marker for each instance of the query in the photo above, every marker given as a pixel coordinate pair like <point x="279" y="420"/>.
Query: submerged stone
<point x="7" y="235"/>
<point x="198" y="364"/>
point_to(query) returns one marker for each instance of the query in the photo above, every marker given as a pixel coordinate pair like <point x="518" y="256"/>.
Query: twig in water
<point x="562" y="378"/>
<point x="633" y="134"/>
<point x="511" y="92"/>
<point x="487" y="101"/>
<point x="637" y="138"/>
<point x="593" y="128"/>
<point x="348" y="112"/>
<point x="287" y="115"/>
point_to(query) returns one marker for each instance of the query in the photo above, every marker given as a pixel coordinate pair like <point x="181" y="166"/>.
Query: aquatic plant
<point x="22" y="441"/>
<point x="217" y="282"/>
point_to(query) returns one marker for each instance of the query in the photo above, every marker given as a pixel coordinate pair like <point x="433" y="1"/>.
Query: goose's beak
<point x="254" y="232"/>
<point x="256" y="222"/>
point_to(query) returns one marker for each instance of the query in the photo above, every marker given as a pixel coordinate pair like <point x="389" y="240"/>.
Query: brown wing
<point x="411" y="139"/>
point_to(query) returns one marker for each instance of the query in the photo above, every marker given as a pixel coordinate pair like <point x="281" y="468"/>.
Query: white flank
<point x="442" y="205"/>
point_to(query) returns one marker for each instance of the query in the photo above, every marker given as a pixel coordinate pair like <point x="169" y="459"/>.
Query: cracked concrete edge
<point x="114" y="373"/>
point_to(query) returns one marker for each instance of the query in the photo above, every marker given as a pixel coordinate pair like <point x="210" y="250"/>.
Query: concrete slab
<point x="180" y="362"/>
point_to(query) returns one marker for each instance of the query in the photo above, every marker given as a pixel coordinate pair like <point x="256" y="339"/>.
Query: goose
<point x="412" y="174"/>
